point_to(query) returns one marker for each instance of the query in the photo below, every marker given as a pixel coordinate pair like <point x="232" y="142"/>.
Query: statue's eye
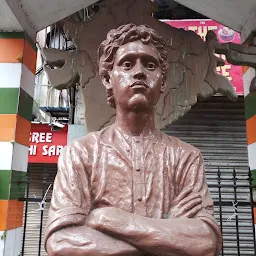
<point x="127" y="65"/>
<point x="151" y="66"/>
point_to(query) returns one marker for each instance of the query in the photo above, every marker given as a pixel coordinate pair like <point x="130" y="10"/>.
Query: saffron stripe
<point x="11" y="50"/>
<point x="251" y="130"/>
<point x="11" y="212"/>
<point x="29" y="57"/>
<point x="7" y="128"/>
<point x="244" y="69"/>
<point x="3" y="214"/>
<point x="14" y="128"/>
<point x="22" y="131"/>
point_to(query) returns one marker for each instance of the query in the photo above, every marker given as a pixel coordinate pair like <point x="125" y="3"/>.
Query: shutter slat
<point x="217" y="127"/>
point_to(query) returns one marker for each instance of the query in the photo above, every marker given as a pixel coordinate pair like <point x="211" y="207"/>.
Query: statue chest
<point x="135" y="179"/>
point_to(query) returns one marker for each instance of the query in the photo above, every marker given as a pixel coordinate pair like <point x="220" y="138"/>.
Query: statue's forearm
<point x="162" y="237"/>
<point x="83" y="241"/>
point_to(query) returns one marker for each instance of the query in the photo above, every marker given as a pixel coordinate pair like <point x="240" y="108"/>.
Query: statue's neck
<point x="135" y="123"/>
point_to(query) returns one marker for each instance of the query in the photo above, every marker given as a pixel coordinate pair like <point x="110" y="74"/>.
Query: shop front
<point x="46" y="143"/>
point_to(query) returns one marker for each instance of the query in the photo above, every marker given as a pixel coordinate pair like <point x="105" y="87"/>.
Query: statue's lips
<point x="139" y="85"/>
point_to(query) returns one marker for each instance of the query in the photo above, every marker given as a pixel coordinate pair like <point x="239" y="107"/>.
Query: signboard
<point x="225" y="35"/>
<point x="45" y="145"/>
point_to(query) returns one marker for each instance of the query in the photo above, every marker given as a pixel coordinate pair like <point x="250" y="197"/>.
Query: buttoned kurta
<point x="145" y="176"/>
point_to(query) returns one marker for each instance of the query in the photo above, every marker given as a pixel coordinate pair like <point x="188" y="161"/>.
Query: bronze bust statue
<point x="130" y="189"/>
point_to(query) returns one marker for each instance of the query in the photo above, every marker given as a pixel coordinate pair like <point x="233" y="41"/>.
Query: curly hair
<point x="123" y="35"/>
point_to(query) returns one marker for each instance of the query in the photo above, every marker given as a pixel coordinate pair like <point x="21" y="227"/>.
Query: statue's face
<point x="136" y="76"/>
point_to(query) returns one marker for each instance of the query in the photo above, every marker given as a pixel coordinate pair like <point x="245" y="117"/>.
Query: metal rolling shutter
<point x="217" y="127"/>
<point x="41" y="176"/>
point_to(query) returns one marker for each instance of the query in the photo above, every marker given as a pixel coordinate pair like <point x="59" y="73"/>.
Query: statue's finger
<point x="194" y="211"/>
<point x="190" y="205"/>
<point x="188" y="199"/>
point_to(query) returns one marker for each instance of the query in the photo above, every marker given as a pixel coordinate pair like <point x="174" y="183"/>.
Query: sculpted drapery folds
<point x="130" y="189"/>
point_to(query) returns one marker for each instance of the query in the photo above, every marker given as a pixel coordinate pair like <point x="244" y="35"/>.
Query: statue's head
<point x="133" y="66"/>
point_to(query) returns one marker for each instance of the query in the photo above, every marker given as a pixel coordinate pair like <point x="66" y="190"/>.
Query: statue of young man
<point x="130" y="189"/>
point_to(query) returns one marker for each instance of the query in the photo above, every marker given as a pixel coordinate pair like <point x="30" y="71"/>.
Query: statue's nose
<point x="139" y="71"/>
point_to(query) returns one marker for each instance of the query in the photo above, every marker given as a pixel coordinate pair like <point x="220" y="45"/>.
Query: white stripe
<point x="20" y="158"/>
<point x="252" y="156"/>
<point x="27" y="82"/>
<point x="9" y="242"/>
<point x="6" y="152"/>
<point x="13" y="242"/>
<point x="10" y="74"/>
<point x="247" y="78"/>
<point x="1" y="243"/>
<point x="18" y="241"/>
<point x="13" y="156"/>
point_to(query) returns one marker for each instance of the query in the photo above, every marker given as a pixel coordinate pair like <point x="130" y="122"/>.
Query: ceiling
<point x="34" y="15"/>
<point x="8" y="22"/>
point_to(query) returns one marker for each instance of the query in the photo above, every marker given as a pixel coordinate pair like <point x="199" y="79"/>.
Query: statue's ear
<point x="106" y="81"/>
<point x="163" y="86"/>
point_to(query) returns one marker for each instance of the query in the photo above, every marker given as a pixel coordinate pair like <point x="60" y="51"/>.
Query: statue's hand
<point x="187" y="207"/>
<point x="96" y="218"/>
<point x="101" y="217"/>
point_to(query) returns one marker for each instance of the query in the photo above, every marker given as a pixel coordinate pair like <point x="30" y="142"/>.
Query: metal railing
<point x="233" y="204"/>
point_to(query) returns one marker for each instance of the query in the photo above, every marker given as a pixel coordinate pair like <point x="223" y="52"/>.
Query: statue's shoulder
<point x="178" y="144"/>
<point x="90" y="140"/>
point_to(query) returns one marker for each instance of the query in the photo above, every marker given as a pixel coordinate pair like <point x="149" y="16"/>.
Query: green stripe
<point x="250" y="105"/>
<point x="25" y="105"/>
<point x="16" y="101"/>
<point x="12" y="35"/>
<point x="12" y="184"/>
<point x="18" y="185"/>
<point x="253" y="178"/>
<point x="5" y="178"/>
<point x="9" y="100"/>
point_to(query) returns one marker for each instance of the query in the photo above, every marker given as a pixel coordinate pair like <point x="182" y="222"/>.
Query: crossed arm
<point x="83" y="241"/>
<point x="161" y="237"/>
<point x="76" y="229"/>
<point x="110" y="231"/>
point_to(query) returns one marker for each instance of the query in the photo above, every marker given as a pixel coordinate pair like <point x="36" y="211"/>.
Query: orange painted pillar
<point x="17" y="69"/>
<point x="250" y="116"/>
